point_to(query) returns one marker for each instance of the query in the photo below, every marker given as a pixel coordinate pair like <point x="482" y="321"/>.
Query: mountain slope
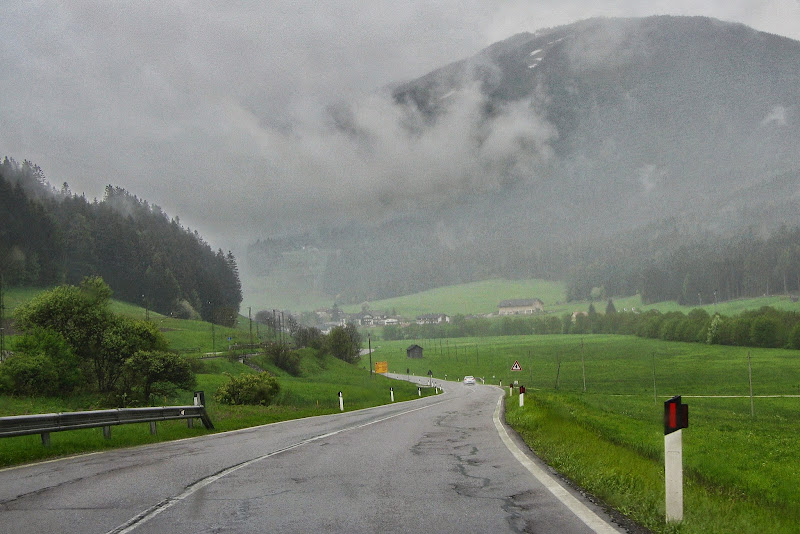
<point x="547" y="141"/>
<point x="656" y="116"/>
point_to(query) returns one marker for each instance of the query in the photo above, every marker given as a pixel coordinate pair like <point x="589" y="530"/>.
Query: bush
<point x="29" y="374"/>
<point x="766" y="332"/>
<point x="713" y="334"/>
<point x="285" y="359"/>
<point x="248" y="389"/>
<point x="794" y="337"/>
<point x="44" y="365"/>
<point x="344" y="342"/>
<point x="184" y="310"/>
<point x="735" y="331"/>
<point x="148" y="373"/>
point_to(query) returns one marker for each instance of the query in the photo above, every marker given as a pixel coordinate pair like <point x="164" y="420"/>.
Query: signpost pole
<point x="676" y="418"/>
<point x="750" y="378"/>
<point x="673" y="474"/>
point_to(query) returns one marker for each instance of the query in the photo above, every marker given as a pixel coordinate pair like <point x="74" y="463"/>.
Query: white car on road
<point x="469" y="380"/>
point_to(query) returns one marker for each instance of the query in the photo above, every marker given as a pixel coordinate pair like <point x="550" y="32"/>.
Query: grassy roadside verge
<point x="315" y="392"/>
<point x="615" y="455"/>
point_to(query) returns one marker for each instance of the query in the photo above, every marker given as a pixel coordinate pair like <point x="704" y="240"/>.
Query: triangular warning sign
<point x="516" y="366"/>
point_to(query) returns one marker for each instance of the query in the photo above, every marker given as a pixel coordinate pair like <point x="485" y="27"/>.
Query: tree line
<point x="692" y="271"/>
<point x="766" y="327"/>
<point x="51" y="236"/>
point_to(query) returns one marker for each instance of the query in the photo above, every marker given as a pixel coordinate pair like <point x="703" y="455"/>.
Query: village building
<point x="520" y="307"/>
<point x="433" y="318"/>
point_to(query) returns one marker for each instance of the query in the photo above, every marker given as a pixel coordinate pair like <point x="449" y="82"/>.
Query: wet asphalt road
<point x="437" y="464"/>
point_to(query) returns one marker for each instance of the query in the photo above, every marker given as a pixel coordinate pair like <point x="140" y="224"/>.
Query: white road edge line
<point x="583" y="513"/>
<point x="138" y="520"/>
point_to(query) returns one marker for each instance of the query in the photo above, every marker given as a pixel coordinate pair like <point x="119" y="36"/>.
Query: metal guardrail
<point x="44" y="424"/>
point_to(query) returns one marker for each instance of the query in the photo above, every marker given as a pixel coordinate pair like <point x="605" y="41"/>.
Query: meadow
<point x="472" y="298"/>
<point x="480" y="298"/>
<point x="594" y="411"/>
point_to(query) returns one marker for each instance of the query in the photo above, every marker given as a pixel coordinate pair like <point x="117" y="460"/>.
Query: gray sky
<point x="214" y="110"/>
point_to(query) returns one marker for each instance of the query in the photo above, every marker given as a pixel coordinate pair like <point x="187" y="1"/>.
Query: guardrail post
<point x="46" y="439"/>
<point x="153" y="429"/>
<point x="190" y="423"/>
<point x="107" y="432"/>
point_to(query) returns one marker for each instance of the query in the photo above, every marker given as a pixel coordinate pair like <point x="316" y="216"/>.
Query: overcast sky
<point x="214" y="110"/>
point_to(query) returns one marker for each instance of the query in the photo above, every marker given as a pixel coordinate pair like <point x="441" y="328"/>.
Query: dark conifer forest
<point x="51" y="236"/>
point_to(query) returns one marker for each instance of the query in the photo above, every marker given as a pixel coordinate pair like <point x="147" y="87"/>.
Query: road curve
<point x="438" y="464"/>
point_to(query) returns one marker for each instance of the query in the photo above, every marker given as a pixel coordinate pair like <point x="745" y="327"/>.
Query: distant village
<point x="329" y="318"/>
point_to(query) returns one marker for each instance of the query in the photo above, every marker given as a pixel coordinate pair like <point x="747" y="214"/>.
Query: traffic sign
<point x="516" y="366"/>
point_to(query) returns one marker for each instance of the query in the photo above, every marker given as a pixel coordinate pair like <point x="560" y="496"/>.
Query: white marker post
<point x="341" y="402"/>
<point x="419" y="392"/>
<point x="391" y="393"/>
<point x="521" y="396"/>
<point x="676" y="418"/>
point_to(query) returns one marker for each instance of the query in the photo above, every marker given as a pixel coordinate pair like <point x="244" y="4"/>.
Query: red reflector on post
<point x="676" y="415"/>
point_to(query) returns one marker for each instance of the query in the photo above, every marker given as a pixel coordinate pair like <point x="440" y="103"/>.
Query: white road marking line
<point x="583" y="513"/>
<point x="142" y="518"/>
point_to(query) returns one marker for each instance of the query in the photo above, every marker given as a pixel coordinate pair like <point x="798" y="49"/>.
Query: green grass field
<point x="741" y="471"/>
<point x="473" y="298"/>
<point x="483" y="298"/>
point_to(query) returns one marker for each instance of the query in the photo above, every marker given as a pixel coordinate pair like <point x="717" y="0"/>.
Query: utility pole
<point x="250" y="317"/>
<point x="583" y="367"/>
<point x="2" y="321"/>
<point x="213" y="333"/>
<point x="283" y="334"/>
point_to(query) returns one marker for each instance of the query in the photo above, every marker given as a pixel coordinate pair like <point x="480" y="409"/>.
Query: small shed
<point x="414" y="351"/>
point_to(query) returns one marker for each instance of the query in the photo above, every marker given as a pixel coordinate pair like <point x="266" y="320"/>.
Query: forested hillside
<point x="654" y="155"/>
<point x="667" y="264"/>
<point x="51" y="236"/>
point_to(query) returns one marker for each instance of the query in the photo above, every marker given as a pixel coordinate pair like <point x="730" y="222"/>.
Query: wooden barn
<point x="414" y="351"/>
